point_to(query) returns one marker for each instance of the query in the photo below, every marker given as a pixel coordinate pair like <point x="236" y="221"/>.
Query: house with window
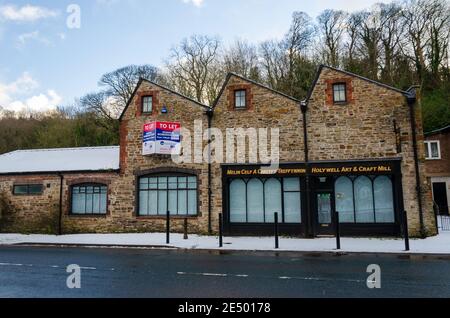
<point x="352" y="146"/>
<point x="437" y="155"/>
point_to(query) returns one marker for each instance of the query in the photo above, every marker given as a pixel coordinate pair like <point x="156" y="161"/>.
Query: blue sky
<point x="44" y="63"/>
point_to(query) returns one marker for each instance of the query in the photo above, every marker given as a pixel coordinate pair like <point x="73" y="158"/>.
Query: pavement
<point x="139" y="273"/>
<point x="439" y="244"/>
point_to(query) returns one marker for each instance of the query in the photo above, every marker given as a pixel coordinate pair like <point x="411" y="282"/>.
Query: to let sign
<point x="161" y="138"/>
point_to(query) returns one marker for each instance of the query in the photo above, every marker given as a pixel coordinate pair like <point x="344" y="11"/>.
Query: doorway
<point x="324" y="208"/>
<point x="440" y="197"/>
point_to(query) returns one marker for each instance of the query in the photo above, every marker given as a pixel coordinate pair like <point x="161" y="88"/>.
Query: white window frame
<point x="428" y="145"/>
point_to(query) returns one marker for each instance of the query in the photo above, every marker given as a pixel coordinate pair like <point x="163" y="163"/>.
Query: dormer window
<point x="240" y="99"/>
<point x="339" y="93"/>
<point x="147" y="104"/>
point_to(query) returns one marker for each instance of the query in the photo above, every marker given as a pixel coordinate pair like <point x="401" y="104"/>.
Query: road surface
<point x="41" y="272"/>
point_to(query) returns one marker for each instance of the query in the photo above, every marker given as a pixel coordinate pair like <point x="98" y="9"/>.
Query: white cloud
<point x="27" y="13"/>
<point x="12" y="96"/>
<point x="197" y="3"/>
<point x="41" y="102"/>
<point x="22" y="39"/>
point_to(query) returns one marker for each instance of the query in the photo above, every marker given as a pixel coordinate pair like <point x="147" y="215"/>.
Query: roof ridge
<point x="227" y="78"/>
<point x="366" y="79"/>
<point x="62" y="149"/>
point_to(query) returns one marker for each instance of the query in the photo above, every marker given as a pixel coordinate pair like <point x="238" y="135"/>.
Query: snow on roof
<point x="60" y="160"/>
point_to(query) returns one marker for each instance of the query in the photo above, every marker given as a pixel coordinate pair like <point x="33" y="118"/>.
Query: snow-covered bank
<point x="434" y="245"/>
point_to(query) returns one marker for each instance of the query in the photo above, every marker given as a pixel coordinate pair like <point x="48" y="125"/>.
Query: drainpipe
<point x="411" y="98"/>
<point x="61" y="183"/>
<point x="209" y="113"/>
<point x="310" y="230"/>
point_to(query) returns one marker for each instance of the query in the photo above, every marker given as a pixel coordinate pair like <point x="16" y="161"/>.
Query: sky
<point x="52" y="52"/>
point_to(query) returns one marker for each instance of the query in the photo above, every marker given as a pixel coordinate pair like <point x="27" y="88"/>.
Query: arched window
<point x="238" y="201"/>
<point x="363" y="200"/>
<point x="255" y="201"/>
<point x="384" y="200"/>
<point x="176" y="193"/>
<point x="344" y="200"/>
<point x="89" y="199"/>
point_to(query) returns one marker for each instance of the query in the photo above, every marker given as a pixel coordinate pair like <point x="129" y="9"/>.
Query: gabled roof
<point x="438" y="131"/>
<point x="162" y="87"/>
<point x="230" y="74"/>
<point x="60" y="160"/>
<point x="322" y="66"/>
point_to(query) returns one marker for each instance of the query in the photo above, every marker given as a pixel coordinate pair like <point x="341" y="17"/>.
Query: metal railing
<point x="443" y="222"/>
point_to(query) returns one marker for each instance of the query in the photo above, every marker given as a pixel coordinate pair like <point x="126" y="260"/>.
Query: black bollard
<point x="185" y="236"/>
<point x="168" y="227"/>
<point x="338" y="230"/>
<point x="405" y="230"/>
<point x="277" y="243"/>
<point x="220" y="230"/>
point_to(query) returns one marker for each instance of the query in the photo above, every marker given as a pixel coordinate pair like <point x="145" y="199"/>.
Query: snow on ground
<point x="433" y="245"/>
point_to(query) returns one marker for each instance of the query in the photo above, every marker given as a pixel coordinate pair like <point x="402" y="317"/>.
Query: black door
<point x="440" y="197"/>
<point x="324" y="208"/>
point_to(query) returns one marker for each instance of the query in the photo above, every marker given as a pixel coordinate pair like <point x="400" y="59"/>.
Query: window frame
<point x="428" y="147"/>
<point x="345" y="93"/>
<point x="372" y="179"/>
<point x="168" y="175"/>
<point x="85" y="214"/>
<point x="236" y="91"/>
<point x="28" y="185"/>
<point x="142" y="105"/>
<point x="283" y="191"/>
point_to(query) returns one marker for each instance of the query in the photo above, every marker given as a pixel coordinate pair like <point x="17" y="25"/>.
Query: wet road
<point x="41" y="272"/>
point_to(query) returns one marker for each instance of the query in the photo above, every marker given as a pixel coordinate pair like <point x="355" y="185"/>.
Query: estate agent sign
<point x="161" y="138"/>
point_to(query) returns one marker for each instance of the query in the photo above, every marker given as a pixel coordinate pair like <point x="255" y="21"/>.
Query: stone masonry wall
<point x="363" y="128"/>
<point x="267" y="109"/>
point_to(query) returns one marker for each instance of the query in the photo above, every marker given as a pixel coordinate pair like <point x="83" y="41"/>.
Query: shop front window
<point x="174" y="193"/>
<point x="365" y="200"/>
<point x="256" y="200"/>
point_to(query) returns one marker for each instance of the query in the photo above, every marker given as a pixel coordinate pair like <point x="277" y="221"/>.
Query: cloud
<point x="27" y="13"/>
<point x="41" y="103"/>
<point x="12" y="96"/>
<point x="197" y="3"/>
<point x="22" y="39"/>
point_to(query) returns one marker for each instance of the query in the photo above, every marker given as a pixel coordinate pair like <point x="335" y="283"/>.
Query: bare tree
<point x="392" y="35"/>
<point x="439" y="34"/>
<point x="273" y="59"/>
<point x="193" y="68"/>
<point x="105" y="108"/>
<point x="121" y="83"/>
<point x="331" y="24"/>
<point x="242" y="58"/>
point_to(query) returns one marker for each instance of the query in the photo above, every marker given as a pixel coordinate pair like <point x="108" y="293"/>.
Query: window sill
<point x="163" y="217"/>
<point x="432" y="158"/>
<point x="340" y="103"/>
<point x="88" y="216"/>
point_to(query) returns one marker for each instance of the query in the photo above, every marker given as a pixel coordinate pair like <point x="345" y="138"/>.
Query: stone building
<point x="354" y="146"/>
<point x="437" y="164"/>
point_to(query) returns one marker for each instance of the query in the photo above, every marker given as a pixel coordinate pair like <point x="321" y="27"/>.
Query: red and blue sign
<point x="161" y="138"/>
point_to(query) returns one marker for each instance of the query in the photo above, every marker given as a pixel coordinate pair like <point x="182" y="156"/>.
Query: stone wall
<point x="30" y="214"/>
<point x="363" y="128"/>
